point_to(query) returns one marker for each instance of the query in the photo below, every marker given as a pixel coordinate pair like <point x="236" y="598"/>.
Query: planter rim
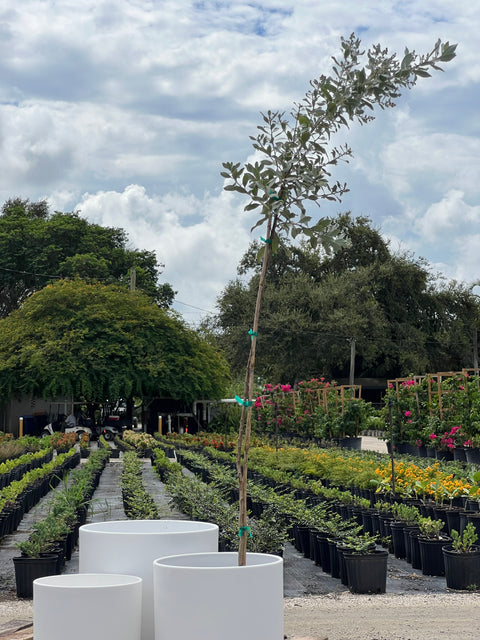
<point x="215" y="561"/>
<point x="450" y="551"/>
<point x="148" y="527"/>
<point x="375" y="552"/>
<point x="444" y="539"/>
<point x="87" y="581"/>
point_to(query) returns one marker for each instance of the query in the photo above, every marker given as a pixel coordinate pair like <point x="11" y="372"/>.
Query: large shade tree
<point x="101" y="343"/>
<point x="403" y="317"/>
<point x="37" y="247"/>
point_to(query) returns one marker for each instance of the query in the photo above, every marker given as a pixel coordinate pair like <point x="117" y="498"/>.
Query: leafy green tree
<point x="100" y="343"/>
<point x="37" y="247"/>
<point x="295" y="160"/>
<point x="404" y="318"/>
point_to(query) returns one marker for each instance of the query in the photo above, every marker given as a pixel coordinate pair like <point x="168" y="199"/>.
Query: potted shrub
<point x="406" y="518"/>
<point x="366" y="565"/>
<point x="35" y="562"/>
<point x="431" y="541"/>
<point x="462" y="559"/>
<point x="84" y="445"/>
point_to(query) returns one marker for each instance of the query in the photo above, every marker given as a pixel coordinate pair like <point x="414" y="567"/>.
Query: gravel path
<point x="346" y="616"/>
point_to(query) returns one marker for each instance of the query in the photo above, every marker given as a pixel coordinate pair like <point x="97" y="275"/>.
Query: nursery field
<point x="317" y="605"/>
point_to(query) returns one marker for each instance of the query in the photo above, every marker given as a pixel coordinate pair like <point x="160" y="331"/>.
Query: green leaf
<point x="303" y="120"/>
<point x="275" y="243"/>
<point x="260" y="254"/>
<point x="423" y="73"/>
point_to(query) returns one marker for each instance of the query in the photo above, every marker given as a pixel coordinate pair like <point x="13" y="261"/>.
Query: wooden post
<point x="20" y="427"/>
<point x="160" y="421"/>
<point x="351" y="379"/>
<point x="133" y="279"/>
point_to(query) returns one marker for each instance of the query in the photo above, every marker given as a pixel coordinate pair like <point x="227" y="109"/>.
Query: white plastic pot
<point x="87" y="606"/>
<point x="130" y="547"/>
<point x="207" y="596"/>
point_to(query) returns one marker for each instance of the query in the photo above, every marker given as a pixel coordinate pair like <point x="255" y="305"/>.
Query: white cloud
<point x="451" y="216"/>
<point x="200" y="256"/>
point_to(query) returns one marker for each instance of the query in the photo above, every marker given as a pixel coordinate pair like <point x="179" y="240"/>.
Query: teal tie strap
<point x="244" y="403"/>
<point x="243" y="530"/>
<point x="252" y="333"/>
<point x="267" y="241"/>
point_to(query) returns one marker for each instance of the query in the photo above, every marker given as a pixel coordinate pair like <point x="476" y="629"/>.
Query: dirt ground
<point x="345" y="616"/>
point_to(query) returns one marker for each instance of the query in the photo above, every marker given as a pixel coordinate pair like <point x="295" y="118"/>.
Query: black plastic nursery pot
<point x="415" y="555"/>
<point x="462" y="570"/>
<point x="432" y="555"/>
<point x="398" y="539"/>
<point x="367" y="573"/>
<point x="324" y="551"/>
<point x="334" y="559"/>
<point x="29" y="569"/>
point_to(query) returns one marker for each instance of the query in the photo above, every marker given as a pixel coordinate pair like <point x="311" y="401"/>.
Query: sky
<point x="124" y="110"/>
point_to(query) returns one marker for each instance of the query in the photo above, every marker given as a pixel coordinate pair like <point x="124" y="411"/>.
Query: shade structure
<point x="207" y="596"/>
<point x="87" y="607"/>
<point x="130" y="547"/>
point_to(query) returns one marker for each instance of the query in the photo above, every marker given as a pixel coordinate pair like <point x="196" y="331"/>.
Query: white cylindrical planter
<point x="131" y="546"/>
<point x="87" y="607"/>
<point x="207" y="596"/>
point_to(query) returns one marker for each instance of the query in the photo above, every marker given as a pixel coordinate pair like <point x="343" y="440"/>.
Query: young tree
<point x="293" y="168"/>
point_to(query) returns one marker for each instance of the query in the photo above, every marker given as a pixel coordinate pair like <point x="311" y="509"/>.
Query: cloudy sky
<point x="124" y="110"/>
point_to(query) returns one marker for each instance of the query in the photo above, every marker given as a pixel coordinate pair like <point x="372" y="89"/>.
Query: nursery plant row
<point x="324" y="524"/>
<point x="19" y="496"/>
<point x="53" y="538"/>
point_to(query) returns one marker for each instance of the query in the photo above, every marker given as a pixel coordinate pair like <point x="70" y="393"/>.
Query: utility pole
<point x="475" y="349"/>
<point x="133" y="278"/>
<point x="351" y="379"/>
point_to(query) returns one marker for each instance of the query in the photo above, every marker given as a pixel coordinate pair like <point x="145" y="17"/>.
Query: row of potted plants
<point x="138" y="504"/>
<point x="440" y="411"/>
<point x="21" y="495"/>
<point x="11" y="449"/>
<point x="14" y="469"/>
<point x="426" y="527"/>
<point x="53" y="538"/>
<point x="62" y="442"/>
<point x="315" y="408"/>
<point x="427" y="414"/>
<point x="299" y="520"/>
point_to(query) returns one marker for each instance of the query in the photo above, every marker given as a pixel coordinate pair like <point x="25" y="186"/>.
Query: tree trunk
<point x="245" y="428"/>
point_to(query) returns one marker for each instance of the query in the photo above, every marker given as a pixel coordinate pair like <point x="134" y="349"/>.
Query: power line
<point x="192" y="306"/>
<point x="29" y="273"/>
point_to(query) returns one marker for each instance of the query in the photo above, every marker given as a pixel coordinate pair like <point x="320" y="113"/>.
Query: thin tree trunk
<point x="245" y="428"/>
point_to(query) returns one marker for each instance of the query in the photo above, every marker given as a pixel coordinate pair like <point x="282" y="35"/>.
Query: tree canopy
<point x="102" y="342"/>
<point x="37" y="247"/>
<point x="403" y="317"/>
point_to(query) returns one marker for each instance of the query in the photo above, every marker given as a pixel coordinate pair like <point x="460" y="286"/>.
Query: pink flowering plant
<point x="408" y="402"/>
<point x="458" y="405"/>
<point x="275" y="409"/>
<point x="315" y="408"/>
